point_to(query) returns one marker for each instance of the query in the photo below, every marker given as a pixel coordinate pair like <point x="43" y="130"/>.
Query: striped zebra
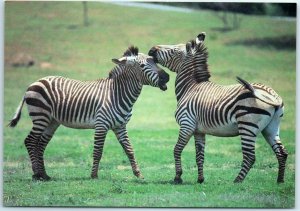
<point x="101" y="104"/>
<point x="204" y="107"/>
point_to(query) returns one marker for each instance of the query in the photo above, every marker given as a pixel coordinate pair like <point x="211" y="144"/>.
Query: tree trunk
<point x="85" y="14"/>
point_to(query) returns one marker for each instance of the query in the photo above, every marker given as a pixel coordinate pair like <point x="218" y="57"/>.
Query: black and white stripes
<point x="205" y="107"/>
<point x="101" y="104"/>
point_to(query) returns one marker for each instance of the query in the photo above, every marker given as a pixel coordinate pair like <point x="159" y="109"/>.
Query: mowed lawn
<point x="262" y="50"/>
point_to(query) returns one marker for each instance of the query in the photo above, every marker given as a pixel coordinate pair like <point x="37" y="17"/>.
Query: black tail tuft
<point x="14" y="121"/>
<point x="245" y="83"/>
<point x="17" y="116"/>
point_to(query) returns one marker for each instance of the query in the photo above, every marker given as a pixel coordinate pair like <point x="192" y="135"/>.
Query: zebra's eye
<point x="142" y="65"/>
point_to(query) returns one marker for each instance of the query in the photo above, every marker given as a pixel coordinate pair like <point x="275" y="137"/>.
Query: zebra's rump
<point x="267" y="94"/>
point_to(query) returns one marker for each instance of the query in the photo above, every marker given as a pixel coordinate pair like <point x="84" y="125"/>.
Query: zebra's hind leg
<point x="248" y="139"/>
<point x="122" y="136"/>
<point x="185" y="134"/>
<point x="281" y="154"/>
<point x="33" y="143"/>
<point x="271" y="134"/>
<point x="40" y="148"/>
<point x="200" y="145"/>
<point x="100" y="135"/>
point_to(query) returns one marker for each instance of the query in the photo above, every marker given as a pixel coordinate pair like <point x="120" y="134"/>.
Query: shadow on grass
<point x="162" y="182"/>
<point x="132" y="181"/>
<point x="222" y="29"/>
<point x="135" y="181"/>
<point x="285" y="42"/>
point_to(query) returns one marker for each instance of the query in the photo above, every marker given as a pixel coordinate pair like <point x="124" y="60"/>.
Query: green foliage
<point x="53" y="32"/>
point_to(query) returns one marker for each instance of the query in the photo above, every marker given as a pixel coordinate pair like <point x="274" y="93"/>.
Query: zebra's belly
<point x="79" y="125"/>
<point x="229" y="130"/>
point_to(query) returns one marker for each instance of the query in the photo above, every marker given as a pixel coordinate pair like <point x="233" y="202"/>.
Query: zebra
<point x="103" y="105"/>
<point x="204" y="107"/>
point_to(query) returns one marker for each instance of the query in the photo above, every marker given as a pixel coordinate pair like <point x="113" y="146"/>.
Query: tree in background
<point x="85" y="14"/>
<point x="228" y="12"/>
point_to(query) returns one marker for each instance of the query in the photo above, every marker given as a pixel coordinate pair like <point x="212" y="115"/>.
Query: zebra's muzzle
<point x="163" y="79"/>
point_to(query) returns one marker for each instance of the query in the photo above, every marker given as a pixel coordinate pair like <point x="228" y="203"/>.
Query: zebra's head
<point x="142" y="66"/>
<point x="178" y="57"/>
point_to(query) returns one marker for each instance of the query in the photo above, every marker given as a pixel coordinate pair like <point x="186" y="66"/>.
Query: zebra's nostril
<point x="163" y="76"/>
<point x="167" y="77"/>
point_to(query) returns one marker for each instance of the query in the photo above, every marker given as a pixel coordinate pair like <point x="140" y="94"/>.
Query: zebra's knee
<point x="252" y="161"/>
<point x="280" y="150"/>
<point x="282" y="156"/>
<point x="283" y="151"/>
<point x="177" y="152"/>
<point x="249" y="160"/>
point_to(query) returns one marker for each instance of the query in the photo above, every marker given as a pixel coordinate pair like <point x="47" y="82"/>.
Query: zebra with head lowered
<point x="102" y="105"/>
<point x="204" y="107"/>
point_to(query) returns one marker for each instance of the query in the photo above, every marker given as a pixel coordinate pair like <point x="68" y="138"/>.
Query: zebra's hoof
<point x="140" y="176"/>
<point x="94" y="176"/>
<point x="200" y="180"/>
<point x="280" y="181"/>
<point x="238" y="180"/>
<point x="40" y="177"/>
<point x="177" y="181"/>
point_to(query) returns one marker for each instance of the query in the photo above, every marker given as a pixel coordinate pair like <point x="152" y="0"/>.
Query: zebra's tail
<point x="261" y="95"/>
<point x="17" y="115"/>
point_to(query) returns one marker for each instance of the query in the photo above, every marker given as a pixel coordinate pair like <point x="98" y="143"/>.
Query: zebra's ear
<point x="115" y="72"/>
<point x="201" y="37"/>
<point x="121" y="61"/>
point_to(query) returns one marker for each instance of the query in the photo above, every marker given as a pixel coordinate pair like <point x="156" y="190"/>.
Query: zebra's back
<point x="72" y="103"/>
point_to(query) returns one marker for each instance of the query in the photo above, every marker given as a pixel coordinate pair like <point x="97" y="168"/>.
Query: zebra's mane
<point x="198" y="48"/>
<point x="131" y="51"/>
<point x="193" y="43"/>
<point x="200" y="68"/>
<point x="116" y="71"/>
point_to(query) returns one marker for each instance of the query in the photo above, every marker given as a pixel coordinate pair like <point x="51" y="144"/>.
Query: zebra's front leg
<point x="200" y="145"/>
<point x="122" y="136"/>
<point x="248" y="150"/>
<point x="185" y="134"/>
<point x="100" y="135"/>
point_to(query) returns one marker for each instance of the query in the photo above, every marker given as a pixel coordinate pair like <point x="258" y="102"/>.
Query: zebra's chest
<point x="119" y="119"/>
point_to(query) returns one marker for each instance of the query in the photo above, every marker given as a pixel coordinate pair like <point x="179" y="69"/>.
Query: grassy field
<point x="262" y="50"/>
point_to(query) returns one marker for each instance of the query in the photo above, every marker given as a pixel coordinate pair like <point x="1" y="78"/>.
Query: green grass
<point x="53" y="32"/>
